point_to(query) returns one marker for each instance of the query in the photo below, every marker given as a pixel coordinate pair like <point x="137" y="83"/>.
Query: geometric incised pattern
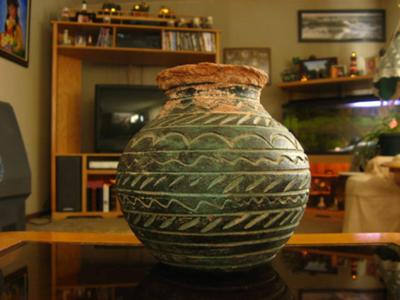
<point x="214" y="170"/>
<point x="246" y="221"/>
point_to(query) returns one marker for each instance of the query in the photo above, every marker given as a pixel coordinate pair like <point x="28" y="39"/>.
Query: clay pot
<point x="214" y="182"/>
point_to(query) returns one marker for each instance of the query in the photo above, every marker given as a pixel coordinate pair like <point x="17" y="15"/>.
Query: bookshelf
<point x="324" y="81"/>
<point x="143" y="45"/>
<point x="340" y="86"/>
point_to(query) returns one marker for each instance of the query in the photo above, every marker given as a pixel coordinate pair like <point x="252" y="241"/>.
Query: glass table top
<point x="76" y="271"/>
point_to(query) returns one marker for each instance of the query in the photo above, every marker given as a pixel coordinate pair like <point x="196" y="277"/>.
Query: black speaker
<point x="15" y="174"/>
<point x="69" y="183"/>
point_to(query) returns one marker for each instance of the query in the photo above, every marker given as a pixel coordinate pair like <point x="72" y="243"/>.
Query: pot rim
<point x="211" y="73"/>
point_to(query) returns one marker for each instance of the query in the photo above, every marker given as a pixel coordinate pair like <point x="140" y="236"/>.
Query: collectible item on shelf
<point x="353" y="64"/>
<point x="182" y="22"/>
<point x="105" y="38"/>
<point x="65" y="14"/>
<point x="66" y="38"/>
<point x="83" y="16"/>
<point x="207" y="22"/>
<point x="214" y="182"/>
<point x="141" y="7"/>
<point x="196" y="22"/>
<point x="110" y="8"/>
<point x="166" y="12"/>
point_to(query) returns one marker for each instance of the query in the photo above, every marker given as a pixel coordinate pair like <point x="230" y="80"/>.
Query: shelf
<point x="141" y="27"/>
<point x="317" y="193"/>
<point x="328" y="213"/>
<point x="101" y="172"/>
<point x="64" y="215"/>
<point x="136" y="56"/>
<point x="325" y="81"/>
<point x="324" y="176"/>
<point x="90" y="154"/>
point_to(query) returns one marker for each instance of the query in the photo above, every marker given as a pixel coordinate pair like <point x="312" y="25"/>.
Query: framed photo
<point x="342" y="25"/>
<point x="338" y="71"/>
<point x="371" y="64"/>
<point x="15" y="285"/>
<point x="14" y="30"/>
<point x="317" y="68"/>
<point x="255" y="57"/>
<point x="342" y="294"/>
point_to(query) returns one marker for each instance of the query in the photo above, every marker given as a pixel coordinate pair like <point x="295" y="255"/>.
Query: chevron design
<point x="227" y="223"/>
<point x="215" y="119"/>
<point x="222" y="183"/>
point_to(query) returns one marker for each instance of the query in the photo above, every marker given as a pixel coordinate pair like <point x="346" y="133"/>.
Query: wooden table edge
<point x="10" y="239"/>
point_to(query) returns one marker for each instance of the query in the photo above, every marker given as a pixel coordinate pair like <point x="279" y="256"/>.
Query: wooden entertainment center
<point x="67" y="64"/>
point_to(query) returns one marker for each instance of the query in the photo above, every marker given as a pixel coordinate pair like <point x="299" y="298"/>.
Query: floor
<point x="119" y="225"/>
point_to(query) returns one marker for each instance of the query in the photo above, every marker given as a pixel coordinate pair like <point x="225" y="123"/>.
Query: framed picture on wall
<point x="14" y="30"/>
<point x="255" y="57"/>
<point x="342" y="25"/>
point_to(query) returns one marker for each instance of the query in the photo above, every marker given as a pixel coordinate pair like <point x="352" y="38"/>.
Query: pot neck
<point x="216" y="91"/>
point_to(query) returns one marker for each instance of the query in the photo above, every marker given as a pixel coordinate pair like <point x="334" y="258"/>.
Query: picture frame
<point x="15" y="30"/>
<point x="15" y="285"/>
<point x="255" y="57"/>
<point x="342" y="294"/>
<point x="368" y="25"/>
<point x="317" y="67"/>
<point x="371" y="64"/>
<point x="338" y="71"/>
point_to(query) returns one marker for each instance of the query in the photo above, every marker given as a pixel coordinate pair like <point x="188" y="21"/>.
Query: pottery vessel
<point x="214" y="182"/>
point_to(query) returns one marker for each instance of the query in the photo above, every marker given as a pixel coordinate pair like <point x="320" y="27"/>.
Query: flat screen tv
<point x="333" y="126"/>
<point x="121" y="111"/>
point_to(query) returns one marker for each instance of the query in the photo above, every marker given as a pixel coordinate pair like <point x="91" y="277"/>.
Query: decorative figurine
<point x="110" y="8"/>
<point x="353" y="64"/>
<point x="65" y="14"/>
<point x="141" y="7"/>
<point x="207" y="22"/>
<point x="166" y="12"/>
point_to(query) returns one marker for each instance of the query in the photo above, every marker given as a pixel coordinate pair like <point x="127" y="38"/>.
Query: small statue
<point x="166" y="12"/>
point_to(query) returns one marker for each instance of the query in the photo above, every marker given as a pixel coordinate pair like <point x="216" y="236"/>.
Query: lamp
<point x="387" y="77"/>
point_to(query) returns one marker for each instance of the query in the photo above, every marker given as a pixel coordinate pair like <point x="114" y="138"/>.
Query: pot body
<point x="214" y="182"/>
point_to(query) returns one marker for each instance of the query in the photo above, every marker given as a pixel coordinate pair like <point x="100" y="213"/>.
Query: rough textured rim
<point x="211" y="73"/>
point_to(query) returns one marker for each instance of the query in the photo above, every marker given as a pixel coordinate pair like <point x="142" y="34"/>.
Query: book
<point x="106" y="197"/>
<point x="103" y="164"/>
<point x="91" y="197"/>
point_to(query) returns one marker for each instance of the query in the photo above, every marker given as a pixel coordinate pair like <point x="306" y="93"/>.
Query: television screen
<point x="333" y="125"/>
<point x="121" y="111"/>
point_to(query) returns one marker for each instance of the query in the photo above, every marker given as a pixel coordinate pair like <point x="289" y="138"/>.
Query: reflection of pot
<point x="214" y="182"/>
<point x="389" y="144"/>
<point x="165" y="283"/>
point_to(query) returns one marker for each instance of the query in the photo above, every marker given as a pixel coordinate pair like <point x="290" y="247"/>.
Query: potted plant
<point x="383" y="139"/>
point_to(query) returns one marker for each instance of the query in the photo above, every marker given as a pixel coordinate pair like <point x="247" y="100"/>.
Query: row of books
<point x="189" y="41"/>
<point x="101" y="196"/>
